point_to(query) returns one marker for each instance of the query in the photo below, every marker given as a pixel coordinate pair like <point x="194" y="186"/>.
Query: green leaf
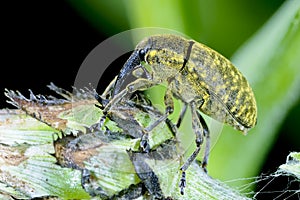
<point x="27" y="167"/>
<point x="30" y="170"/>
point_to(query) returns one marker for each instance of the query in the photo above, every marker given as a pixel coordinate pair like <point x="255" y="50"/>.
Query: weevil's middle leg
<point x="152" y="109"/>
<point x="198" y="129"/>
<point x="169" y="110"/>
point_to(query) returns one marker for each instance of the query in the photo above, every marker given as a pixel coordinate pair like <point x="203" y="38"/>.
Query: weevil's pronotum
<point x="200" y="77"/>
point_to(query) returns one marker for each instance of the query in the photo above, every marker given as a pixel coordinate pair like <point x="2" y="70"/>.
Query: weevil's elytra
<point x="200" y="77"/>
<point x="228" y="86"/>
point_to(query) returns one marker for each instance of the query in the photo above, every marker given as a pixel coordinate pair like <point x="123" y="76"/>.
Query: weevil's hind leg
<point x="198" y="129"/>
<point x="206" y="134"/>
<point x="172" y="127"/>
<point x="182" y="113"/>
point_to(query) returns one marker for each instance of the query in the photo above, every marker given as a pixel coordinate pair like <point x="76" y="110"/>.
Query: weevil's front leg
<point x="106" y="95"/>
<point x="198" y="129"/>
<point x="139" y="84"/>
<point x="141" y="71"/>
<point x="109" y="89"/>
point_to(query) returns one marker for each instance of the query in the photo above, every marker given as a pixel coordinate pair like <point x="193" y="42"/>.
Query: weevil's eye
<point x="142" y="54"/>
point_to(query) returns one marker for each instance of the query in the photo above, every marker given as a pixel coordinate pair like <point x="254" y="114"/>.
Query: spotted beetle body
<point x="200" y="77"/>
<point x="227" y="96"/>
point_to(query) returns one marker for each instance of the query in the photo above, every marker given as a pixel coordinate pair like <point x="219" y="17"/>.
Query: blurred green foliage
<point x="222" y="25"/>
<point x="269" y="60"/>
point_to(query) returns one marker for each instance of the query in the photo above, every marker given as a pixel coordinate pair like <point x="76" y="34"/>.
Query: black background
<point x="42" y="42"/>
<point x="46" y="41"/>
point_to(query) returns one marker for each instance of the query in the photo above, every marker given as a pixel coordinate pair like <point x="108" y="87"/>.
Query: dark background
<point x="46" y="41"/>
<point x="42" y="42"/>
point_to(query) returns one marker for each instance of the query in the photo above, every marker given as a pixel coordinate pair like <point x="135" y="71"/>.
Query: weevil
<point x="197" y="75"/>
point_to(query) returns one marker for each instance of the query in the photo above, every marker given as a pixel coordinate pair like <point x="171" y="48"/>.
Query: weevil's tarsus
<point x="182" y="183"/>
<point x="86" y="175"/>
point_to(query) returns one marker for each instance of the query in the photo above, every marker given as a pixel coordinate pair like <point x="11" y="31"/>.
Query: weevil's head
<point x="143" y="48"/>
<point x="166" y="50"/>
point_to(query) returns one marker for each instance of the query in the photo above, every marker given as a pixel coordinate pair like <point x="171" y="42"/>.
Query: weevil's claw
<point x="182" y="183"/>
<point x="103" y="102"/>
<point x="204" y="166"/>
<point x="102" y="120"/>
<point x="144" y="144"/>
